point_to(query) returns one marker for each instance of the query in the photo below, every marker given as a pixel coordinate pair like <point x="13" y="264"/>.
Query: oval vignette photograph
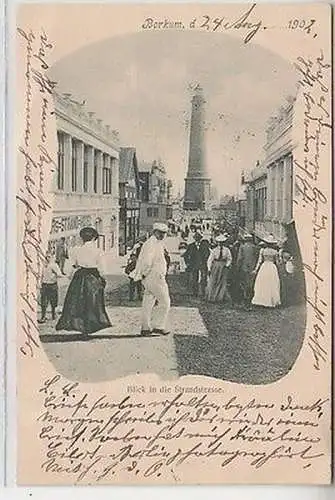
<point x="173" y="247"/>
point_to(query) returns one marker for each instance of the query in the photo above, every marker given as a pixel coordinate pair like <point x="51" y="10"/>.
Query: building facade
<point x="129" y="190"/>
<point x="156" y="195"/>
<point x="86" y="183"/>
<point x="269" y="187"/>
<point x="256" y="200"/>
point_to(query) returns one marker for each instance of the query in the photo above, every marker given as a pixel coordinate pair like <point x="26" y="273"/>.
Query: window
<point x="95" y="171"/>
<point x="280" y="192"/>
<point x="112" y="240"/>
<point x="74" y="171"/>
<point x="60" y="164"/>
<point x="152" y="212"/>
<point x="85" y="168"/>
<point x="260" y="204"/>
<point x="106" y="177"/>
<point x="112" y="172"/>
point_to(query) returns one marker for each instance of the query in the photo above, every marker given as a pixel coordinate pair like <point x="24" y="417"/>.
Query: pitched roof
<point x="126" y="163"/>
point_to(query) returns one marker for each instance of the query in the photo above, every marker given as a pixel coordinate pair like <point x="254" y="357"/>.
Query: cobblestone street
<point x="252" y="347"/>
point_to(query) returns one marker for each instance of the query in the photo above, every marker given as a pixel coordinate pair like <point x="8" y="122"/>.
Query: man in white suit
<point x="151" y="268"/>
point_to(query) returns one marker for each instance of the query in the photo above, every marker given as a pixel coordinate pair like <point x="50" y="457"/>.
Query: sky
<point x="139" y="84"/>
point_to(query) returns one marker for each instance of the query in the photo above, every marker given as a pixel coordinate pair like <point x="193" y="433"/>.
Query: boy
<point x="49" y="287"/>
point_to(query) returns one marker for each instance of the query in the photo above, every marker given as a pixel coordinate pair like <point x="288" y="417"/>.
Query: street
<point x="252" y="347"/>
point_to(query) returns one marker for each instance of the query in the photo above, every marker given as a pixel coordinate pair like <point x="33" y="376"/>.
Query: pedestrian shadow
<point x="78" y="337"/>
<point x="245" y="347"/>
<point x="180" y="294"/>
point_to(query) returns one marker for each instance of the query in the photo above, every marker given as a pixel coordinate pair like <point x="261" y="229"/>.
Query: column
<point x="97" y="161"/>
<point x="67" y="163"/>
<point x="90" y="159"/>
<point x="80" y="166"/>
<point x="280" y="190"/>
<point x="269" y="191"/>
<point x="115" y="178"/>
<point x="285" y="190"/>
<point x="274" y="192"/>
<point x="289" y="187"/>
<point x="99" y="174"/>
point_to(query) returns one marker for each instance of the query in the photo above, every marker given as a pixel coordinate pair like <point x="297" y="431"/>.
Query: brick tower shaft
<point x="197" y="182"/>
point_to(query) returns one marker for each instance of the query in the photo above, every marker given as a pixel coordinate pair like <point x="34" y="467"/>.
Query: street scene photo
<point x="173" y="248"/>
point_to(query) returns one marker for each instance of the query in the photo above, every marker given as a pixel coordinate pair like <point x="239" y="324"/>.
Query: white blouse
<point x="88" y="255"/>
<point x="215" y="254"/>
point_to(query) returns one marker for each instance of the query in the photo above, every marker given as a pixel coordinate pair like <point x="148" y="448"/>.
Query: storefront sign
<point x="70" y="223"/>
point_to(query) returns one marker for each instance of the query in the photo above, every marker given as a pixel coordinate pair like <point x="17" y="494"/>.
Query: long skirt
<point x="267" y="286"/>
<point x="217" y="288"/>
<point x="84" y="306"/>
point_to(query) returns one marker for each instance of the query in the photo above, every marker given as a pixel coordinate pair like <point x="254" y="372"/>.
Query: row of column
<point x="95" y="163"/>
<point x="279" y="189"/>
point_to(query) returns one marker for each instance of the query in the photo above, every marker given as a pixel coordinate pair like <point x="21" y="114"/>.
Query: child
<point x="49" y="287"/>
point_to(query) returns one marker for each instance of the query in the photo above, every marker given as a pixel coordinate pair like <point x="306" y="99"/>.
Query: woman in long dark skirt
<point x="84" y="306"/>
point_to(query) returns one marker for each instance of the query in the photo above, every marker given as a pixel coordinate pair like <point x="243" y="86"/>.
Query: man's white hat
<point x="160" y="226"/>
<point x="221" y="237"/>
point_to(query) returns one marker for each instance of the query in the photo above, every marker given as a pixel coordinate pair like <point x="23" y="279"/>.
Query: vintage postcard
<point x="173" y="168"/>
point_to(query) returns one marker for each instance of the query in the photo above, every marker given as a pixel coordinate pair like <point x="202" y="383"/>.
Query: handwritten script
<point x="35" y="163"/>
<point x="244" y="23"/>
<point x="90" y="438"/>
<point x="314" y="80"/>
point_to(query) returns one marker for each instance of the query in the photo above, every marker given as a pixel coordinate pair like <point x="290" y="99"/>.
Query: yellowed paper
<point x="237" y="392"/>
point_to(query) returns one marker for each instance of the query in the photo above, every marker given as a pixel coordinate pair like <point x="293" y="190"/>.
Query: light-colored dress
<point x="219" y="262"/>
<point x="267" y="283"/>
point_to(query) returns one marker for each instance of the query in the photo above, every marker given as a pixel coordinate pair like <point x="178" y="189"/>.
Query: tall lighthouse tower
<point x="197" y="182"/>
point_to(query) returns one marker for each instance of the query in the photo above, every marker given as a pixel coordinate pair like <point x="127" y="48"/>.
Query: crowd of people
<point x="233" y="269"/>
<point x="221" y="266"/>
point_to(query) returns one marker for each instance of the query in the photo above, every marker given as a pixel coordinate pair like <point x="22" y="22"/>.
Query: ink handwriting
<point x="91" y="438"/>
<point x="36" y="163"/>
<point x="314" y="82"/>
<point x="244" y="23"/>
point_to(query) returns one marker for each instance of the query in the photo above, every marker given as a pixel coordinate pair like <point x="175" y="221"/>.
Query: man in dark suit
<point x="246" y="262"/>
<point x="196" y="258"/>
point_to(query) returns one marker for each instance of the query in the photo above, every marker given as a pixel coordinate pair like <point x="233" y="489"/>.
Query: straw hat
<point x="221" y="238"/>
<point x="270" y="239"/>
